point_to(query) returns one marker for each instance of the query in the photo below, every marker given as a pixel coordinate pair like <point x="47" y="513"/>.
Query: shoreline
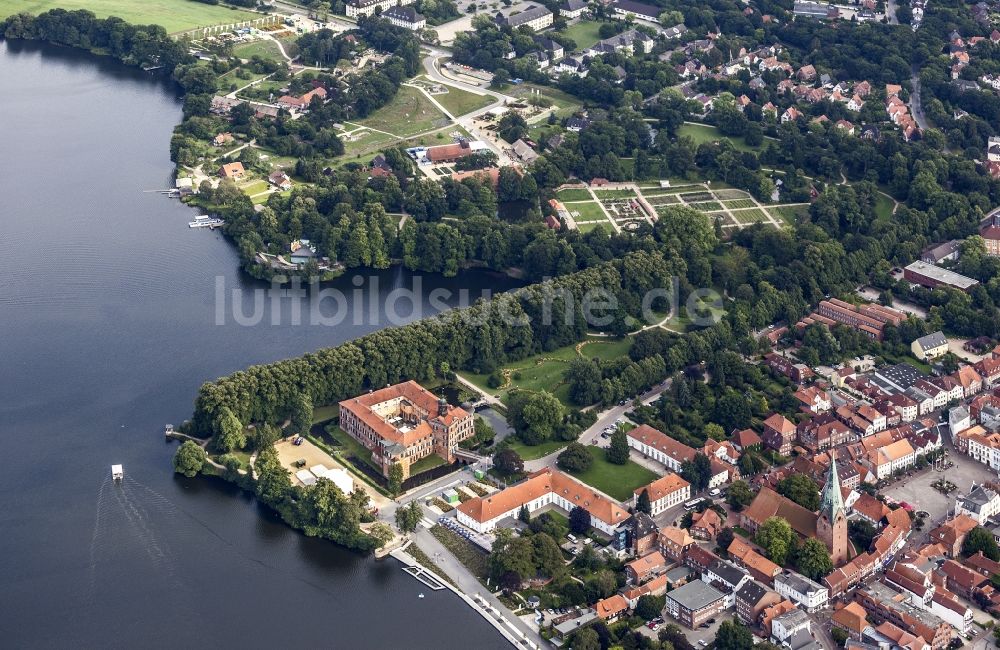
<point x="507" y="631"/>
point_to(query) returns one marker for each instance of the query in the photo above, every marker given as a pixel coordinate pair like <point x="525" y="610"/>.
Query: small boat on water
<point x="420" y="595"/>
<point x="117" y="473"/>
<point x="205" y="221"/>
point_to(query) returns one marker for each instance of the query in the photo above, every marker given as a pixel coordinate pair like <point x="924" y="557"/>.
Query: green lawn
<point x="459" y="102"/>
<point x="606" y="348"/>
<point x="707" y="133"/>
<point x="883" y="206"/>
<point x="564" y="102"/>
<point x="173" y="15"/>
<point x="584" y="33"/>
<point x="409" y="113"/>
<point x="617" y="481"/>
<point x="614" y="194"/>
<point x="266" y="49"/>
<point x="533" y="452"/>
<point x="351" y="446"/>
<point x="791" y="215"/>
<point x="426" y="463"/>
<point x="324" y="413"/>
<point x="587" y="227"/>
<point x="573" y="194"/>
<point x="588" y="211"/>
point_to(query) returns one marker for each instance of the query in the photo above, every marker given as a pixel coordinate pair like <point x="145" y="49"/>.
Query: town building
<point x="869" y="318"/>
<point x="706" y="525"/>
<point x="882" y="603"/>
<point x="646" y="567"/>
<point x="404" y="423"/>
<point x="694" y="603"/>
<point x="952" y="533"/>
<point x="664" y="493"/>
<point x="535" y="17"/>
<point x="727" y="578"/>
<point x="611" y="609"/>
<point x="623" y="8"/>
<point x="751" y="600"/>
<point x="779" y="434"/>
<point x="981" y="445"/>
<point x="932" y="277"/>
<point x="788" y="625"/>
<point x="302" y="102"/>
<point x="545" y="487"/>
<point x="357" y="8"/>
<point x="990" y="231"/>
<point x="573" y="9"/>
<point x="659" y="446"/>
<point x="405" y="17"/>
<point x="945" y="252"/>
<point x="674" y="542"/>
<point x="760" y="568"/>
<point x="931" y="346"/>
<point x="981" y="503"/>
<point x="806" y="593"/>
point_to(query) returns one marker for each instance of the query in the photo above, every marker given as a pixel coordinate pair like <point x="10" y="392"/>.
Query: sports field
<point x="173" y="15"/>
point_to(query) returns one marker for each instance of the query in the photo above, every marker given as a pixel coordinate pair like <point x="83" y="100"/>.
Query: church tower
<point x="831" y="526"/>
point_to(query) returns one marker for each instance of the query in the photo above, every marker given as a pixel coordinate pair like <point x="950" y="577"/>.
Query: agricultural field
<point x="409" y="113"/>
<point x="172" y="15"/>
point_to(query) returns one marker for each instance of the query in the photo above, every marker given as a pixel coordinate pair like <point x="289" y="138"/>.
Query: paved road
<point x="467" y="582"/>
<point x="916" y="108"/>
<point x="890" y="12"/>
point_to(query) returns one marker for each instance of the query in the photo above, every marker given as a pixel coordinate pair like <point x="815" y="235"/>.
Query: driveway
<point x="872" y="294"/>
<point x="604" y="419"/>
<point x="916" y="108"/>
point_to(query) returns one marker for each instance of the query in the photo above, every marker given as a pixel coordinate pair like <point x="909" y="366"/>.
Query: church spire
<point x="831" y="501"/>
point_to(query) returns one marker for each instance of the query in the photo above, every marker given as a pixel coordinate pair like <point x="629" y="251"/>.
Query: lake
<point x="108" y="327"/>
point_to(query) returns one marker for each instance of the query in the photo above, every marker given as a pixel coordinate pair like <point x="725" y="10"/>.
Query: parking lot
<point x="917" y="490"/>
<point x="700" y="637"/>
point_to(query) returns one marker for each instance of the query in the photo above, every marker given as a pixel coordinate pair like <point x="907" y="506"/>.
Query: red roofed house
<point x="233" y="170"/>
<point x="705" y="525"/>
<point x="746" y="439"/>
<point x="779" y="433"/>
<point x="646" y="567"/>
<point x="664" y="493"/>
<point x="610" y="609"/>
<point x="952" y="533"/>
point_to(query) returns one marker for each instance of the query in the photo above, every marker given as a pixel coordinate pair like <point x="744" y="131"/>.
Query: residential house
<point x="660" y="447"/>
<point x="981" y="504"/>
<point x="611" y="609"/>
<point x="674" y="542"/>
<point x="705" y="525"/>
<point x="808" y="594"/>
<point x="952" y="533"/>
<point x="664" y="493"/>
<point x="751" y="600"/>
<point x="405" y="17"/>
<point x="233" y="170"/>
<point x="646" y="567"/>
<point x="779" y="433"/>
<point x="694" y="603"/>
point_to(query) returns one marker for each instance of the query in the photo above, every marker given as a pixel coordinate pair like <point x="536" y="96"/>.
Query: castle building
<point x="404" y="423"/>
<point x="831" y="525"/>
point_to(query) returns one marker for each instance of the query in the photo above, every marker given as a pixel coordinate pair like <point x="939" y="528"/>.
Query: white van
<point x="571" y="538"/>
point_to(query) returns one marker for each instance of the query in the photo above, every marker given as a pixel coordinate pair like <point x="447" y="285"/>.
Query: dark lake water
<point x="107" y="328"/>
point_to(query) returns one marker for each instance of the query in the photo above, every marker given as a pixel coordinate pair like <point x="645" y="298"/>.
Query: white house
<point x="665" y="492"/>
<point x="802" y="591"/>
<point x="981" y="503"/>
<point x="787" y="624"/>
